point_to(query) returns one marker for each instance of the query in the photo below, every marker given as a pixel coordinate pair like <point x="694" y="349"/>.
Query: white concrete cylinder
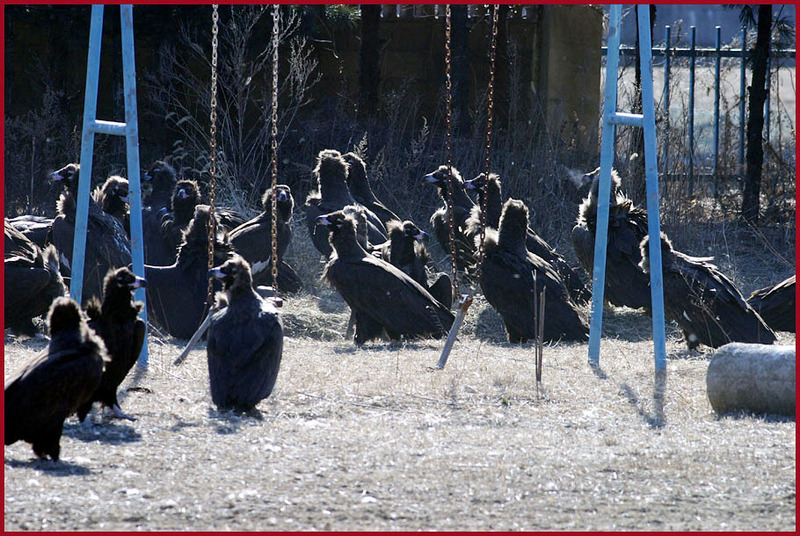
<point x="759" y="378"/>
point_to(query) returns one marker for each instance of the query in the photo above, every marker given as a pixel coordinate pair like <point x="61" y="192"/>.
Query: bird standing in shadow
<point x="245" y="340"/>
<point x="706" y="305"/>
<point x="31" y="281"/>
<point x="512" y="279"/>
<point x="626" y="284"/>
<point x="359" y="186"/>
<point x="160" y="180"/>
<point x="116" y="321"/>
<point x="253" y="240"/>
<point x="175" y="221"/>
<point x="381" y="296"/>
<point x="406" y="250"/>
<point x="112" y="196"/>
<point x="492" y="189"/>
<point x="332" y="194"/>
<point x="107" y="243"/>
<point x="176" y="294"/>
<point x="462" y="206"/>
<point x="48" y="389"/>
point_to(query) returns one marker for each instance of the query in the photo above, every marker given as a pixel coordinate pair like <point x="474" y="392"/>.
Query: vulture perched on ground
<point x="31" y="280"/>
<point x="160" y="180"/>
<point x="776" y="305"/>
<point x="253" y="241"/>
<point x="359" y="186"/>
<point x="35" y="228"/>
<point x="116" y="321"/>
<point x="440" y="221"/>
<point x="245" y="340"/>
<point x="185" y="197"/>
<point x="176" y="294"/>
<point x="331" y="195"/>
<point x="626" y="283"/>
<point x="107" y="243"/>
<point x="406" y="250"/>
<point x="112" y="196"/>
<point x="707" y="306"/>
<point x="512" y="279"/>
<point x="492" y="189"/>
<point x="381" y="296"/>
<point x="54" y="384"/>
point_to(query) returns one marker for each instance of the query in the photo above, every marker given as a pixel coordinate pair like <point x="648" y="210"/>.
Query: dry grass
<point x="372" y="439"/>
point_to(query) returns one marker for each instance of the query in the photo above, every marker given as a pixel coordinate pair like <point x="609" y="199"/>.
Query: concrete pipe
<point x="758" y="378"/>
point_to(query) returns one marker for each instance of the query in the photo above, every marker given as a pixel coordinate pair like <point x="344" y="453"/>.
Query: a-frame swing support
<point x="130" y="130"/>
<point x="646" y="120"/>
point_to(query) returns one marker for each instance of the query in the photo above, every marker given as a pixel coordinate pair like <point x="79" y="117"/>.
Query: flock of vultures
<point x="376" y="260"/>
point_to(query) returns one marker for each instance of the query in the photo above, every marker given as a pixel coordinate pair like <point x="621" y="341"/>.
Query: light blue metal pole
<point x="132" y="151"/>
<point x="666" y="97"/>
<point x="129" y="129"/>
<point x="717" y="83"/>
<point x="742" y="93"/>
<point x="87" y="148"/>
<point x="604" y="190"/>
<point x="651" y="174"/>
<point x="693" y="32"/>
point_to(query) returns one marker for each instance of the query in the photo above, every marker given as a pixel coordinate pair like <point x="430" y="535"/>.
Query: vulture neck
<point x="334" y="190"/>
<point x="345" y="243"/>
<point x="512" y="235"/>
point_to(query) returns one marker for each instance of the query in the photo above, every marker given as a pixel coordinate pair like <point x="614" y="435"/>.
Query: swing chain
<point x="449" y="143"/>
<point x="212" y="169"/>
<point x="489" y="121"/>
<point x="274" y="145"/>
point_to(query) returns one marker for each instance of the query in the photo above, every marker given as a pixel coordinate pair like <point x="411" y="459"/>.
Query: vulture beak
<point x="182" y="194"/>
<point x="139" y="282"/>
<point x="469" y="185"/>
<point x="282" y="196"/>
<point x="323" y="220"/>
<point x="124" y="198"/>
<point x="422" y="236"/>
<point x="216" y="273"/>
<point x="55" y="176"/>
<point x="430" y="178"/>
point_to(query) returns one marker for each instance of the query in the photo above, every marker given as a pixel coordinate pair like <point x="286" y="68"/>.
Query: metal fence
<point x="667" y="53"/>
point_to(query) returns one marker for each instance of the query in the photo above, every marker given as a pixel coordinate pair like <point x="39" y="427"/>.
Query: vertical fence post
<point x="717" y="46"/>
<point x="666" y="98"/>
<point x="742" y="80"/>
<point x="693" y="32"/>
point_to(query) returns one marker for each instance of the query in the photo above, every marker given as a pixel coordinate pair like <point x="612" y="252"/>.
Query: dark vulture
<point x="245" y="341"/>
<point x="706" y="305"/>
<point x="406" y="250"/>
<point x="626" y="282"/>
<point x="253" y="241"/>
<point x="31" y="280"/>
<point x="116" y="321"/>
<point x="112" y="196"/>
<point x="381" y="296"/>
<point x="776" y="305"/>
<point x="332" y="194"/>
<point x="359" y="186"/>
<point x="512" y="279"/>
<point x="185" y="197"/>
<point x="52" y="386"/>
<point x="160" y="180"/>
<point x="35" y="228"/>
<point x="440" y="221"/>
<point x="107" y="243"/>
<point x="176" y="294"/>
<point x="492" y="189"/>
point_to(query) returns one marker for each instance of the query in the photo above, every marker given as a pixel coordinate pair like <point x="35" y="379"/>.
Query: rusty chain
<point x="274" y="145"/>
<point x="489" y="120"/>
<point x="449" y="144"/>
<point x="212" y="168"/>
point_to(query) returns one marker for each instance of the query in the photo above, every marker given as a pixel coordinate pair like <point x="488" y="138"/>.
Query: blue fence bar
<point x="693" y="32"/>
<point x="742" y="94"/>
<point x="666" y="92"/>
<point x="717" y="46"/>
